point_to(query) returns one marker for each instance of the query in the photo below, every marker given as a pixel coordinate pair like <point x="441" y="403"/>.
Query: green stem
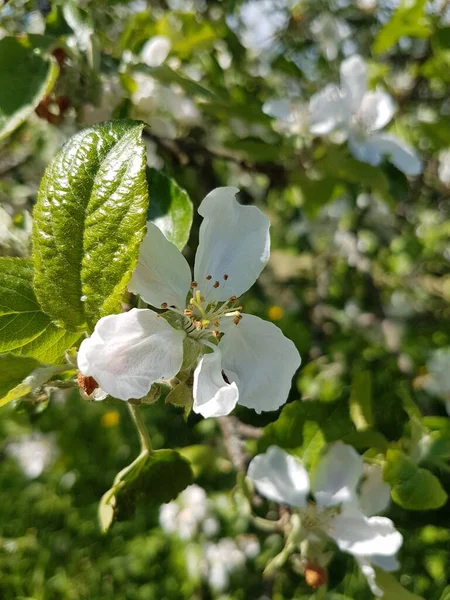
<point x="144" y="438"/>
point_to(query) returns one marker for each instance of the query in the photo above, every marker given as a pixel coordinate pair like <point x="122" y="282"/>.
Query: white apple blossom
<point x="360" y="114"/>
<point x="242" y="358"/>
<point x="330" y="32"/>
<point x="290" y="116"/>
<point x="338" y="511"/>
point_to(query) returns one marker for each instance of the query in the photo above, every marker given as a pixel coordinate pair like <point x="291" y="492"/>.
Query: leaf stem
<point x="144" y="438"/>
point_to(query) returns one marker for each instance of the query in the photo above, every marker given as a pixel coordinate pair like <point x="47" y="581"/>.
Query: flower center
<point x="316" y="518"/>
<point x="202" y="316"/>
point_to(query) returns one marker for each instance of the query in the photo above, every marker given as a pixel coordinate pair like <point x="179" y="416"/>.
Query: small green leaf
<point x="24" y="328"/>
<point x="89" y="222"/>
<point x="408" y="20"/>
<point x="361" y="400"/>
<point x="392" y="589"/>
<point x="13" y="371"/>
<point x="170" y="208"/>
<point x="25" y="78"/>
<point x="151" y="480"/>
<point x="412" y="487"/>
<point x="166" y="75"/>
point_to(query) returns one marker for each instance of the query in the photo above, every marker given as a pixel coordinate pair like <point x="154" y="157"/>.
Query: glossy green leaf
<point x="408" y="20"/>
<point x="170" y="208"/>
<point x="413" y="488"/>
<point x="151" y="480"/>
<point x="25" y="78"/>
<point x="13" y="370"/>
<point x="24" y="328"/>
<point x="89" y="222"/>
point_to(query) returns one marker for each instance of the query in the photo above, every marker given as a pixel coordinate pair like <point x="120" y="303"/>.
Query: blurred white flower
<point x="329" y="32"/>
<point x="155" y="51"/>
<point x="360" y="114"/>
<point x="189" y="514"/>
<point x="111" y="95"/>
<point x="338" y="511"/>
<point x="221" y="560"/>
<point x="34" y="453"/>
<point x="263" y="20"/>
<point x="291" y="116"/>
<point x="444" y="166"/>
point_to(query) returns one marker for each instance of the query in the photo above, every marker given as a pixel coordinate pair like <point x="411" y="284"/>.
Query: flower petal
<point x="337" y="475"/>
<point x="369" y="573"/>
<point x="280" y="477"/>
<point x="262" y="358"/>
<point x="365" y="150"/>
<point x="279" y="109"/>
<point x="213" y="396"/>
<point x="375" y="493"/>
<point x="360" y="536"/>
<point x="327" y="110"/>
<point x="127" y="353"/>
<point x="162" y="274"/>
<point x="354" y="80"/>
<point x="398" y="152"/>
<point x="234" y="241"/>
<point x="155" y="51"/>
<point x="376" y="110"/>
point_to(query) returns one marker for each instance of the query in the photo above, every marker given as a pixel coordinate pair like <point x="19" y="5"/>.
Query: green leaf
<point x="25" y="78"/>
<point x="166" y="75"/>
<point x="151" y="480"/>
<point x="316" y="193"/>
<point x="361" y="400"/>
<point x="349" y="170"/>
<point x="170" y="208"/>
<point x="412" y="487"/>
<point x="13" y="370"/>
<point x="24" y="328"/>
<point x="307" y="427"/>
<point x="391" y="587"/>
<point x="408" y="20"/>
<point x="89" y="222"/>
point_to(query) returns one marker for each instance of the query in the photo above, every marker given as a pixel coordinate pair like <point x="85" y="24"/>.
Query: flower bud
<point x="315" y="575"/>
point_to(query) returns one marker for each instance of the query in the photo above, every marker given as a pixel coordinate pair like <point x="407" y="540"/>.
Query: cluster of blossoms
<point x="191" y="517"/>
<point x="342" y="510"/>
<point x="238" y="357"/>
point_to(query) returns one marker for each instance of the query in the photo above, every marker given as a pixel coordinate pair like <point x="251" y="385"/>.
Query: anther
<point x="216" y="323"/>
<point x="188" y="312"/>
<point x="216" y="333"/>
<point x="209" y="277"/>
<point x="197" y="325"/>
<point x="164" y="305"/>
<point x="216" y="284"/>
<point x="225" y="276"/>
<point x="237" y="319"/>
<point x="232" y="299"/>
<point x="194" y="284"/>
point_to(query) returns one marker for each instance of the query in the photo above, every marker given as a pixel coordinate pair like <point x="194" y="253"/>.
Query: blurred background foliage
<point x="358" y="279"/>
